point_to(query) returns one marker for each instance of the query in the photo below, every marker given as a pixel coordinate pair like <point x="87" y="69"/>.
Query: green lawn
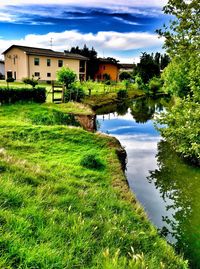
<point x="56" y="211"/>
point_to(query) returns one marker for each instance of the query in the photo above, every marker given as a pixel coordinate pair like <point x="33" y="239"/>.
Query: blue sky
<point x="120" y="30"/>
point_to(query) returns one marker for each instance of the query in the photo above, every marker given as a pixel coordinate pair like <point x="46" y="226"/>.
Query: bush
<point x="182" y="129"/>
<point x="74" y="93"/>
<point x="91" y="161"/>
<point x="155" y="85"/>
<point x="13" y="95"/>
<point x="30" y="81"/>
<point x="66" y="76"/>
<point x="10" y="80"/>
<point x="122" y="94"/>
<point x="125" y="75"/>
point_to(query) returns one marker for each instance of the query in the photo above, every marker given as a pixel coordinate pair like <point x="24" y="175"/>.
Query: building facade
<point x="127" y="67"/>
<point x="107" y="68"/>
<point x="42" y="64"/>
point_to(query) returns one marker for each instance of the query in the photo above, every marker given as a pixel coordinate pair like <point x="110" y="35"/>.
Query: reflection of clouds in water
<point x="140" y="142"/>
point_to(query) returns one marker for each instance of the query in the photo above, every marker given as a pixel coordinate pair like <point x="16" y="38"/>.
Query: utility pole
<point x="51" y="42"/>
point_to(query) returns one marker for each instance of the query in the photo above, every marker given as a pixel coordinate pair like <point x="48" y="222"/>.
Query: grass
<point x="101" y="93"/>
<point x="57" y="213"/>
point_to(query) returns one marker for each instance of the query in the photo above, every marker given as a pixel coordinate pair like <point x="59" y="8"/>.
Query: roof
<point x="108" y="61"/>
<point x="127" y="66"/>
<point x="46" y="52"/>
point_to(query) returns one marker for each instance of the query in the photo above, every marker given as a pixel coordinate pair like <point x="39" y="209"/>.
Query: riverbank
<point x="98" y="101"/>
<point x="59" y="209"/>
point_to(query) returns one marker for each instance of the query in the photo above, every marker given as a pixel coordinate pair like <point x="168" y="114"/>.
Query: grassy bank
<point x="59" y="210"/>
<point x="97" y="101"/>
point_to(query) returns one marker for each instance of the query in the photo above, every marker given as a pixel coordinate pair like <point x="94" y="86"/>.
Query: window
<point x="48" y="62"/>
<point x="103" y="67"/>
<point x="82" y="66"/>
<point x="60" y="63"/>
<point x="48" y="75"/>
<point x="36" y="61"/>
<point x="37" y="74"/>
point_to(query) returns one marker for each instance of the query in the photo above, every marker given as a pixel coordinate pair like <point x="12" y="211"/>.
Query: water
<point x="168" y="188"/>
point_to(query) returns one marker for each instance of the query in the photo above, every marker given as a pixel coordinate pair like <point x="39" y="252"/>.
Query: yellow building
<point x="22" y="62"/>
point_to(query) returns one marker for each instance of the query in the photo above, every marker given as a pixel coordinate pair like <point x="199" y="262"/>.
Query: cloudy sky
<point x="120" y="29"/>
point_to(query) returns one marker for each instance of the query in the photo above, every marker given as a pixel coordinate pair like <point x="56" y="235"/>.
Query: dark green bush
<point x="13" y="95"/>
<point x="91" y="161"/>
<point x="74" y="93"/>
<point x="30" y="81"/>
<point x="122" y="94"/>
<point x="10" y="80"/>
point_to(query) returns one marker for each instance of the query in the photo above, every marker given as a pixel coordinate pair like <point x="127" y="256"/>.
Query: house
<point x="126" y="67"/>
<point x="108" y="68"/>
<point x="22" y="61"/>
<point x="2" y="69"/>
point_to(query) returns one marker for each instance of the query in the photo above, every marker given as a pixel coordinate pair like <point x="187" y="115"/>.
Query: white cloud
<point x="110" y="43"/>
<point x="92" y="3"/>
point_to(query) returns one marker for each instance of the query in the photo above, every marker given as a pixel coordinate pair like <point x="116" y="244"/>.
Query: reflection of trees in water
<point x="181" y="184"/>
<point x="143" y="109"/>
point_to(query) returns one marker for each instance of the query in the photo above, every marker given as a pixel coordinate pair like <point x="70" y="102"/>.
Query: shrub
<point x="106" y="77"/>
<point x="122" y="94"/>
<point x="155" y="85"/>
<point x="66" y="76"/>
<point x="125" y="75"/>
<point x="30" y="81"/>
<point x="74" y="93"/>
<point x="91" y="161"/>
<point x="13" y="95"/>
<point x="10" y="80"/>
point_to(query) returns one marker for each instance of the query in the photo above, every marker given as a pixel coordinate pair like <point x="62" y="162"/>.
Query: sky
<point x="119" y="29"/>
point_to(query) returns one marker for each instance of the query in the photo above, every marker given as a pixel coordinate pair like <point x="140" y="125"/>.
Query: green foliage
<point x="66" y="76"/>
<point x="10" y="80"/>
<point x="92" y="161"/>
<point x="74" y="93"/>
<point x="175" y="76"/>
<point x="125" y="75"/>
<point x="106" y="77"/>
<point x="183" y="129"/>
<point x="13" y="95"/>
<point x="147" y="68"/>
<point x="155" y="85"/>
<point x="182" y="77"/>
<point x="122" y="94"/>
<point x="30" y="81"/>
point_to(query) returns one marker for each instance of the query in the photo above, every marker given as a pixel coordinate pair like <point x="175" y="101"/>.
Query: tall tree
<point x="91" y="54"/>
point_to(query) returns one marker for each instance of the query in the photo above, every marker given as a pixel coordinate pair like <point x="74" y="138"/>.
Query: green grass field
<point x="58" y="210"/>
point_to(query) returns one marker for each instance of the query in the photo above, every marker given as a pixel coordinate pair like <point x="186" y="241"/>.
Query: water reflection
<point x="168" y="189"/>
<point x="180" y="183"/>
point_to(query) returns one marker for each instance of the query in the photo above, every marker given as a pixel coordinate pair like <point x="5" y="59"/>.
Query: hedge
<point x="13" y="95"/>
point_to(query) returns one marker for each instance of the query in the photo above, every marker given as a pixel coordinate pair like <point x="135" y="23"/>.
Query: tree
<point x="148" y="67"/>
<point x="182" y="38"/>
<point x="125" y="75"/>
<point x="91" y="54"/>
<point x="66" y="76"/>
<point x="182" y="77"/>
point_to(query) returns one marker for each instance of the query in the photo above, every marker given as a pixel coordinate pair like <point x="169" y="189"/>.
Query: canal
<point x="166" y="186"/>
